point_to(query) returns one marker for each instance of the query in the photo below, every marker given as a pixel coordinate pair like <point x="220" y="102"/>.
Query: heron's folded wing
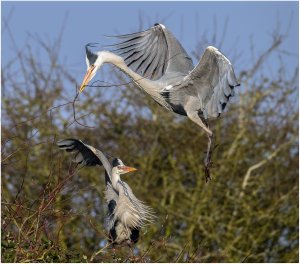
<point x="153" y="52"/>
<point x="111" y="197"/>
<point x="212" y="81"/>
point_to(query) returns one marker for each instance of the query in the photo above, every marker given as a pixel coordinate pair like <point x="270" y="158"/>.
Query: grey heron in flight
<point x="126" y="214"/>
<point x="158" y="64"/>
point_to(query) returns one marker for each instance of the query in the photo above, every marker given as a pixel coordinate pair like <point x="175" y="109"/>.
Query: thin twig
<point x="99" y="251"/>
<point x="74" y="111"/>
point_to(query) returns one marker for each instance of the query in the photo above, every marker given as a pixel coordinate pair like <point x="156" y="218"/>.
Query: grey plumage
<point x="150" y="54"/>
<point x="159" y="65"/>
<point x="126" y="213"/>
<point x="157" y="55"/>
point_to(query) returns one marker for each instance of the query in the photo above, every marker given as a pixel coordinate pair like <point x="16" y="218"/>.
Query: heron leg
<point x="207" y="161"/>
<point x="196" y="119"/>
<point x="194" y="116"/>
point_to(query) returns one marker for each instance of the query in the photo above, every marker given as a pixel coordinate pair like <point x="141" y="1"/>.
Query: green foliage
<point x="53" y="213"/>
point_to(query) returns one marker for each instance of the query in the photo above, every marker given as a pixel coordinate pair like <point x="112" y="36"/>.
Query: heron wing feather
<point x="212" y="81"/>
<point x="153" y="52"/>
<point x="129" y="210"/>
<point x="85" y="154"/>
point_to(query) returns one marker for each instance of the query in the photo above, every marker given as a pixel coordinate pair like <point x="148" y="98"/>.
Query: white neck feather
<point x="149" y="86"/>
<point x="115" y="177"/>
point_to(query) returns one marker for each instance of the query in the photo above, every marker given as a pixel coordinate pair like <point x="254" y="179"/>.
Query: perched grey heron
<point x="126" y="214"/>
<point x="158" y="64"/>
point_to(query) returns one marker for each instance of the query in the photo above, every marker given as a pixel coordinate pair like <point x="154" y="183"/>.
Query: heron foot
<point x="207" y="173"/>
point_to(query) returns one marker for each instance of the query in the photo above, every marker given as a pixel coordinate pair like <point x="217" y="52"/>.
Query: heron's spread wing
<point x="212" y="81"/>
<point x="153" y="52"/>
<point x="85" y="154"/>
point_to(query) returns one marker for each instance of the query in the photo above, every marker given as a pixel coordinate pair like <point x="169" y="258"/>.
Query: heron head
<point x="120" y="168"/>
<point x="93" y="62"/>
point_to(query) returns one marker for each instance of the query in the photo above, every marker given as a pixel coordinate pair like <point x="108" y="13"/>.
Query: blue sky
<point x="89" y="21"/>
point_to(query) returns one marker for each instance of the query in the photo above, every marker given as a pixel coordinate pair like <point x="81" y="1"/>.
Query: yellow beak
<point x="88" y="76"/>
<point x="128" y="169"/>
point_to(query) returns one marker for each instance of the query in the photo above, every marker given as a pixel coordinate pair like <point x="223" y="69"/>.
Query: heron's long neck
<point x="145" y="84"/>
<point x="115" y="178"/>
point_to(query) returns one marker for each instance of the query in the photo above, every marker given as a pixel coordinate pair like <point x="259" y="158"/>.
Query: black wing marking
<point x="153" y="52"/>
<point x="111" y="207"/>
<point x="85" y="154"/>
